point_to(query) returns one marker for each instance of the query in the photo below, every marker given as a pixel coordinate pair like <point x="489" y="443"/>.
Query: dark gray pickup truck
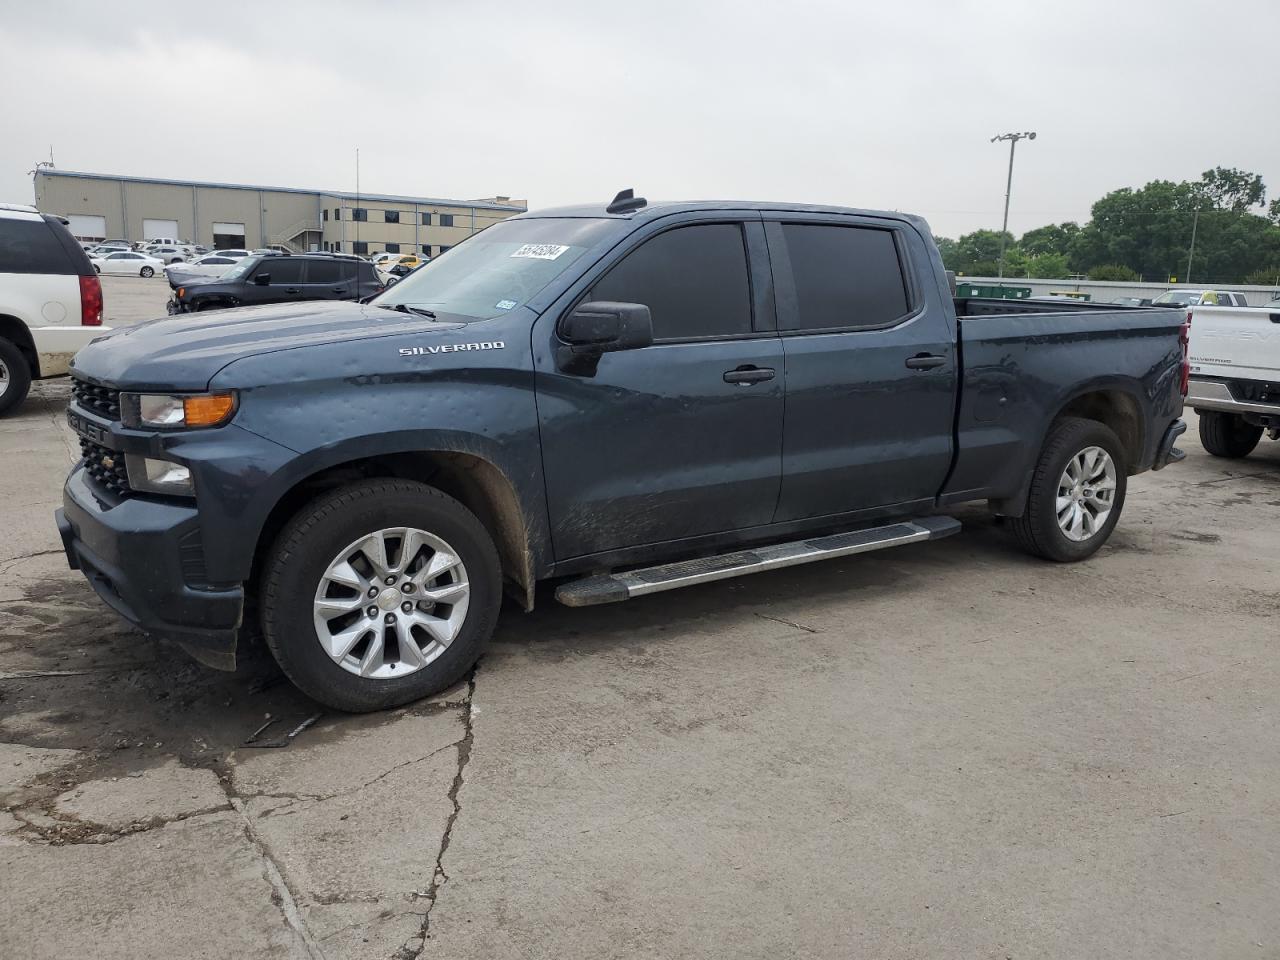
<point x="626" y="398"/>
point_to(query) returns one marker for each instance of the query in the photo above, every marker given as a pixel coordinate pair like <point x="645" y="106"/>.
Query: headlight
<point x="148" y="475"/>
<point x="162" y="410"/>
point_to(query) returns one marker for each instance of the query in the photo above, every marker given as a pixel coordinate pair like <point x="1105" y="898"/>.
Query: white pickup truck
<point x="50" y="301"/>
<point x="1235" y="376"/>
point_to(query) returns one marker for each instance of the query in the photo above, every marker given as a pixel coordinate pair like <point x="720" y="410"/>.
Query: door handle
<point x="292" y="290"/>
<point x="339" y="289"/>
<point x="747" y="374"/>
<point x="925" y="361"/>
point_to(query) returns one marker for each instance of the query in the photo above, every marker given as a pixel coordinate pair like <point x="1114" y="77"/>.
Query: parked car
<point x="1131" y="302"/>
<point x="50" y="301"/>
<point x="1191" y="298"/>
<point x="211" y="265"/>
<point x="276" y="279"/>
<point x="583" y="390"/>
<point x="129" y="263"/>
<point x="1235" y="377"/>
<point x="168" y="254"/>
<point x="102" y="249"/>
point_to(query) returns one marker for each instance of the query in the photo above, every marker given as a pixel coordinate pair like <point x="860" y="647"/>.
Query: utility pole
<point x="1195" y="222"/>
<point x="1013" y="139"/>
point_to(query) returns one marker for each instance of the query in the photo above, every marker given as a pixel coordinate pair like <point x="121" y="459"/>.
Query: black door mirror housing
<point x="262" y="279"/>
<point x="599" y="327"/>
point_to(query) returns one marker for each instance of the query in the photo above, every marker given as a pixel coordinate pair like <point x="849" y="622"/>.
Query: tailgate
<point x="1235" y="342"/>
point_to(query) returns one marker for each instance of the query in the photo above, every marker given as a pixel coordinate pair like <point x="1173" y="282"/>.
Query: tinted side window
<point x="323" y="271"/>
<point x="844" y="276"/>
<point x="281" y="269"/>
<point x="29" y="246"/>
<point x="692" y="279"/>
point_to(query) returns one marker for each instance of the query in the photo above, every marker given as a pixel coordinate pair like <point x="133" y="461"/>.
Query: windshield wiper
<point x="405" y="308"/>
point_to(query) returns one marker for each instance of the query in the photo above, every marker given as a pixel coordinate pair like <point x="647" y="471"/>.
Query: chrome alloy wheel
<point x="1086" y="493"/>
<point x="391" y="602"/>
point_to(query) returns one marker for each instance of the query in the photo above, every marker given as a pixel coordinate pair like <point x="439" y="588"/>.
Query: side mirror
<point x="600" y="327"/>
<point x="262" y="279"/>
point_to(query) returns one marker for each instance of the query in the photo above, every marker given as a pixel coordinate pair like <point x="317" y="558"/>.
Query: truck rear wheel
<point x="15" y="377"/>
<point x="379" y="593"/>
<point x="1227" y="434"/>
<point x="1077" y="492"/>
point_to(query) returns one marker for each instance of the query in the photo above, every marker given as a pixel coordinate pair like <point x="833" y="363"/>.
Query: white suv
<point x="50" y="301"/>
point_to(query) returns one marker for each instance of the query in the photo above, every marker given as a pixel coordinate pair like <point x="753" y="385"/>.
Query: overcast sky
<point x="885" y="105"/>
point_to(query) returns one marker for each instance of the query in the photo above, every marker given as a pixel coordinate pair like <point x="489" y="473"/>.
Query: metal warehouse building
<point x="227" y="215"/>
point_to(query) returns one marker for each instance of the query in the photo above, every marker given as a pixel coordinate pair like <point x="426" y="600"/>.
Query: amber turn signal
<point x="208" y="410"/>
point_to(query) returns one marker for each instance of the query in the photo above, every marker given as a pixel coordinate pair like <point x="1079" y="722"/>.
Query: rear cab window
<point x="845" y="277"/>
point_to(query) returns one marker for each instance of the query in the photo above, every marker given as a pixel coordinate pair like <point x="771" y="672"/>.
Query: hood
<point x="184" y="352"/>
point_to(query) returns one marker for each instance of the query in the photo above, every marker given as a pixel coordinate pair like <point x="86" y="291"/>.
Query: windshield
<point x="1182" y="298"/>
<point x="241" y="269"/>
<point x="497" y="270"/>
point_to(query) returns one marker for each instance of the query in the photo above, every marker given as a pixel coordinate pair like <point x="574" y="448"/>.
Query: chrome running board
<point x="612" y="587"/>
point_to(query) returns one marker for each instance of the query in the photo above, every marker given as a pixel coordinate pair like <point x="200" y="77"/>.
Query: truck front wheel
<point x="1077" y="492"/>
<point x="1227" y="434"/>
<point x="379" y="593"/>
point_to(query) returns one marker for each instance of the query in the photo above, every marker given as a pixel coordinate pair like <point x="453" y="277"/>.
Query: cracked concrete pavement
<point x="947" y="749"/>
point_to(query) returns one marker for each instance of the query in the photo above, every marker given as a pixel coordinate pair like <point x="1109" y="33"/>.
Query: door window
<point x="282" y="270"/>
<point x="844" y="277"/>
<point x="324" y="271"/>
<point x="693" y="280"/>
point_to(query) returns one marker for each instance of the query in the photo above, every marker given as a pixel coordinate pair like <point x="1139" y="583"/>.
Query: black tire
<point x="17" y="380"/>
<point x="147" y="272"/>
<point x="1227" y="434"/>
<point x="317" y="533"/>
<point x="1037" y="530"/>
<point x="97" y="269"/>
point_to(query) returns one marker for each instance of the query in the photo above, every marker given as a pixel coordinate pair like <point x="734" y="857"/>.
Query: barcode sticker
<point x="541" y="251"/>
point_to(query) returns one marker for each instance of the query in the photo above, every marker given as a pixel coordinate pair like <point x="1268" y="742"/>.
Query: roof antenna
<point x="625" y="202"/>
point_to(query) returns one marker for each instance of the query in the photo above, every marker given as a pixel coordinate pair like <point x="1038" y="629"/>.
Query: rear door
<point x="325" y="281"/>
<point x="671" y="441"/>
<point x="870" y="366"/>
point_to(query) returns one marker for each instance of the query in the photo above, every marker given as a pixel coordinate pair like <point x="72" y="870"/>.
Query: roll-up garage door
<point x="228" y="236"/>
<point x="160" y="229"/>
<point x="85" y="227"/>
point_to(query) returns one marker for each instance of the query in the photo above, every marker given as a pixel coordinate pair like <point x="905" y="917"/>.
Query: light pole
<point x="1013" y="139"/>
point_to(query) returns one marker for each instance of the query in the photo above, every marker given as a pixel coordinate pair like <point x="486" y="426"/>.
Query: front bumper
<point x="137" y="555"/>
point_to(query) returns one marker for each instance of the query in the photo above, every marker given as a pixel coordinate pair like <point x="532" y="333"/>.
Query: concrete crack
<point x="7" y="565"/>
<point x="280" y="888"/>
<point x="413" y="947"/>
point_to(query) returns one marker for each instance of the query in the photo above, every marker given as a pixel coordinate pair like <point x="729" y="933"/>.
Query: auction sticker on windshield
<point x="541" y="251"/>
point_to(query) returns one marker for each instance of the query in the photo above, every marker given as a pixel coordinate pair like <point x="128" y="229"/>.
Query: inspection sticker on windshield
<point x="505" y="304"/>
<point x="541" y="251"/>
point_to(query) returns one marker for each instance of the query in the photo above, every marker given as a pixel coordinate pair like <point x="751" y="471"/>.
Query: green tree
<point x="1112" y="271"/>
<point x="1265" y="277"/>
<point x="1048" y="266"/>
<point x="1226" y="188"/>
<point x="974" y="254"/>
<point x="1053" y="238"/>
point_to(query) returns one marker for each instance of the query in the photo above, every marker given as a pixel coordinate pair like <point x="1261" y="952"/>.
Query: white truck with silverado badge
<point x="1235" y="376"/>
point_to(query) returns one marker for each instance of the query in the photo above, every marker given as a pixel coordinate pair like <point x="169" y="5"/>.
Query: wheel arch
<point x="17" y="333"/>
<point x="1116" y="408"/>
<point x="475" y="482"/>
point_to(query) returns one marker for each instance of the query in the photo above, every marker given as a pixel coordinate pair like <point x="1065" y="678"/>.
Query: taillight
<point x="90" y="301"/>
<point x="1184" y="338"/>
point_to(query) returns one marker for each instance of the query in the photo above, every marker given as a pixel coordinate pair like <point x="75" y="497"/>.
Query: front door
<point x="681" y="438"/>
<point x="284" y="283"/>
<point x="870" y="367"/>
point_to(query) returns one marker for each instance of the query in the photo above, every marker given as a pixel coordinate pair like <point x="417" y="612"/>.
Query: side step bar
<point x="612" y="587"/>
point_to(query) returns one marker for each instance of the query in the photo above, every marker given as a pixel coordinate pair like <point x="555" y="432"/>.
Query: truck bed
<point x="1026" y="361"/>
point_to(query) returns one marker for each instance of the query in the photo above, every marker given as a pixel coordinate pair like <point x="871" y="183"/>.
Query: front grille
<point x="100" y="400"/>
<point x="106" y="468"/>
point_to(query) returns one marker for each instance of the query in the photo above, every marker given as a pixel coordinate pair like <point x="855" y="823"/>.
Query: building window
<point x="426" y="219"/>
<point x="336" y="246"/>
<point x="446" y="219"/>
<point x="359" y="213"/>
<point x="359" y="246"/>
<point x="426" y="249"/>
<point x="391" y="216"/>
<point x="337" y="213"/>
<point x="393" y="248"/>
<point x="324" y="215"/>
